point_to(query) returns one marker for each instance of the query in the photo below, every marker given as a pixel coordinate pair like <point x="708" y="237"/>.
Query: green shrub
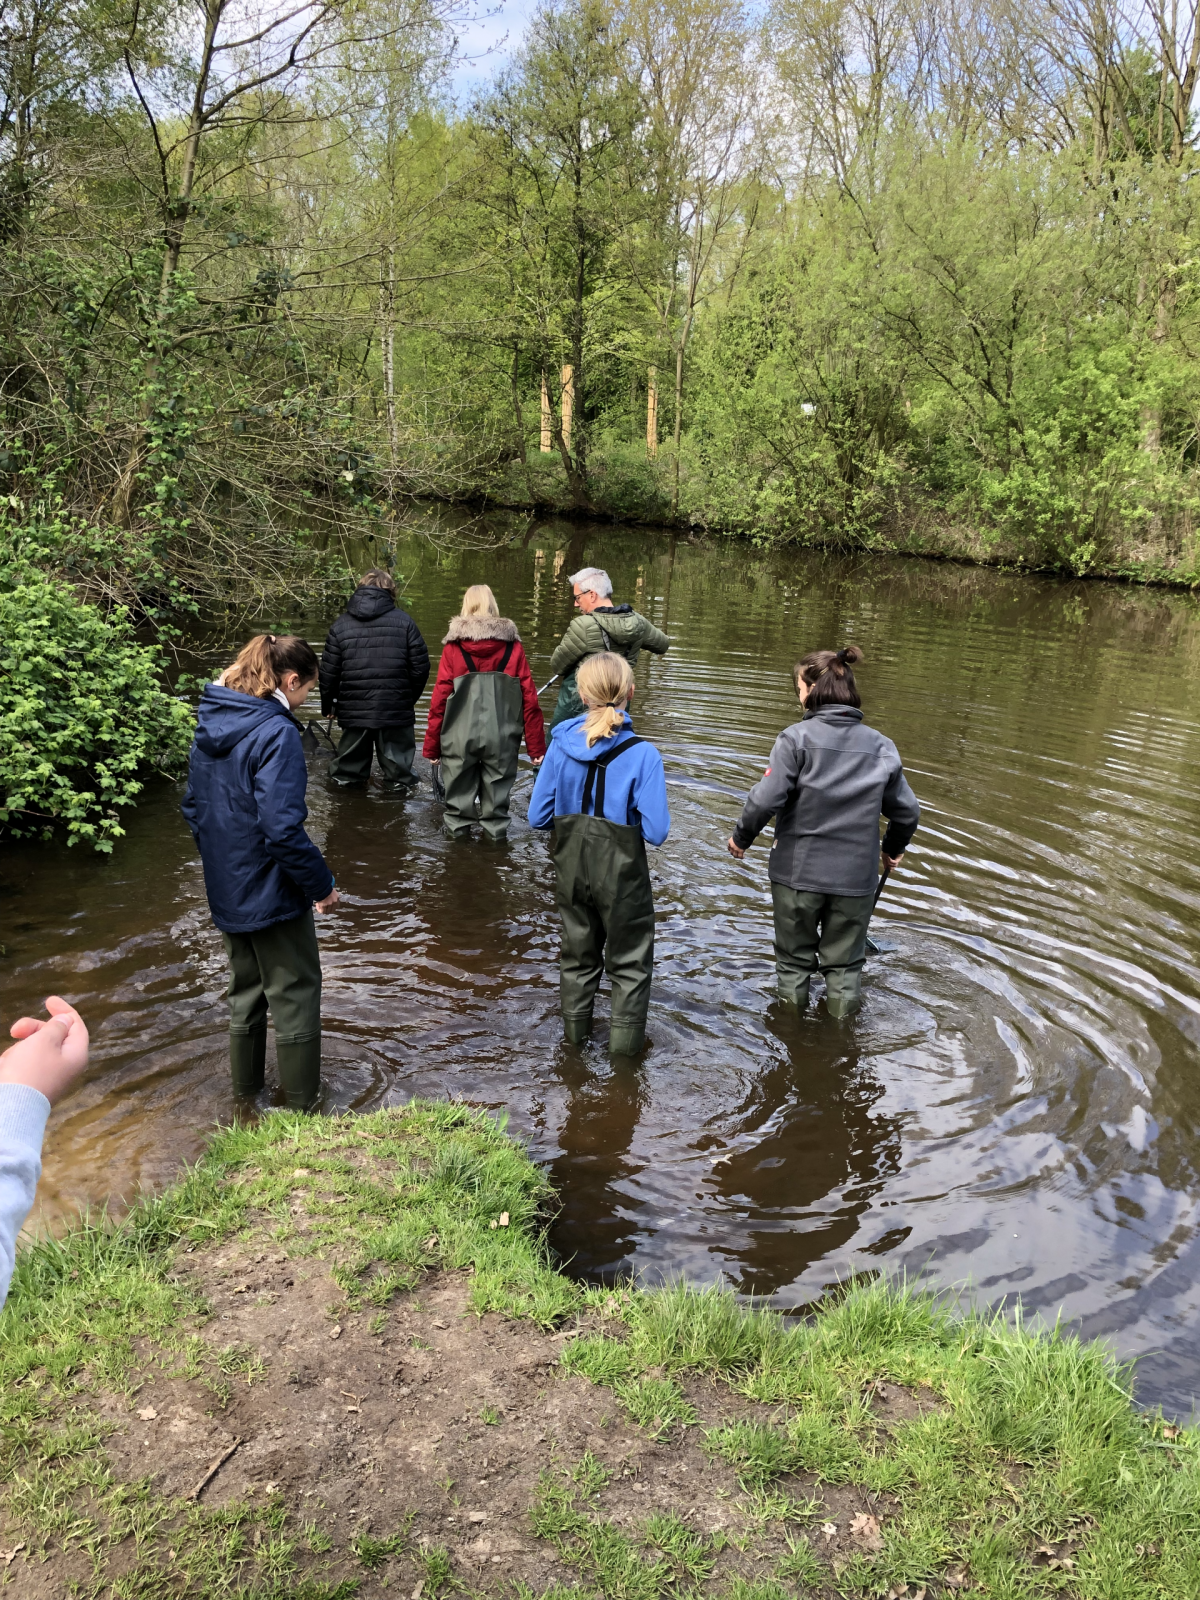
<point x="83" y="716"/>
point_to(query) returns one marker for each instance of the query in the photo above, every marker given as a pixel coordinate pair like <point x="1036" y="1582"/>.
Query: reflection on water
<point x="1017" y="1104"/>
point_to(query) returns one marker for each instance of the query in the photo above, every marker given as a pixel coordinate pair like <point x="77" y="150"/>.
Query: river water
<point x="1015" y="1111"/>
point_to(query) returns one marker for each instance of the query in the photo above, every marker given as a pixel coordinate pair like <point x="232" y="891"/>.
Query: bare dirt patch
<point x="425" y="1419"/>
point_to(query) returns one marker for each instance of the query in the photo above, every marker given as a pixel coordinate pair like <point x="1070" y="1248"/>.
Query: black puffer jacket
<point x="375" y="664"/>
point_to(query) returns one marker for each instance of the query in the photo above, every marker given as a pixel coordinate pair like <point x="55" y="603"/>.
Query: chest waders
<point x="276" y="969"/>
<point x="569" y="704"/>
<point x="606" y="909"/>
<point x="481" y="735"/>
<point x="821" y="931"/>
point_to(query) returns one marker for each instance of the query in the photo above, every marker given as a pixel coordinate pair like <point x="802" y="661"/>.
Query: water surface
<point x="1017" y="1104"/>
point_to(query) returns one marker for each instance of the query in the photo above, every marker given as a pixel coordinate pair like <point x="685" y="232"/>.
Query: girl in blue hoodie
<point x="604" y="792"/>
<point x="263" y="875"/>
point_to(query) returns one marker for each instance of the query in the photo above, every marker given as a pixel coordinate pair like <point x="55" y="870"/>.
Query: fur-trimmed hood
<point x="469" y="628"/>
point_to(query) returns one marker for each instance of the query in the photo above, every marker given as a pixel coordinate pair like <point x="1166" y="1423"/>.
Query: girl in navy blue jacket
<point x="604" y="792"/>
<point x="263" y="875"/>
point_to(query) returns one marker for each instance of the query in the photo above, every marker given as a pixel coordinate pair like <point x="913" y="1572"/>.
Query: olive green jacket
<point x="629" y="633"/>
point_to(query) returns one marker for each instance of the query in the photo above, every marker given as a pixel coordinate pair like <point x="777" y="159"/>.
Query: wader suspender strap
<point x="596" y="772"/>
<point x="470" y="660"/>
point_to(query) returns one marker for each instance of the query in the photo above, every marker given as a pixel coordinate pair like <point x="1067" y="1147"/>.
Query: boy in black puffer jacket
<point x="373" y="672"/>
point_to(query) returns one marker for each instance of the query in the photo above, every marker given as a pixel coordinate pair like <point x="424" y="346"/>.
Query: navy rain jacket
<point x="245" y="807"/>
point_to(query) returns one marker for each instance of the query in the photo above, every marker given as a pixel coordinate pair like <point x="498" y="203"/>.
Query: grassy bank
<point x="337" y="1360"/>
<point x="627" y="487"/>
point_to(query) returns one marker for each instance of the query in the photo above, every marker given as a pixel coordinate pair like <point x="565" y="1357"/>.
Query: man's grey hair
<point x="593" y="579"/>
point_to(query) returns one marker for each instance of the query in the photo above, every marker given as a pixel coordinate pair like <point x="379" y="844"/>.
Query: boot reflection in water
<point x="829" y="780"/>
<point x="263" y="875"/>
<point x="604" y="793"/>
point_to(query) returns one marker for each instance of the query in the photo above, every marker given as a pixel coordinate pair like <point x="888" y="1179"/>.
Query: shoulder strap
<point x="473" y="665"/>
<point x="595" y="775"/>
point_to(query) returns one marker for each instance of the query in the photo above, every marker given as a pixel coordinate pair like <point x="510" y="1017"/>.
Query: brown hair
<point x="605" y="682"/>
<point x="829" y="676"/>
<point x="263" y="664"/>
<point x="377" y="578"/>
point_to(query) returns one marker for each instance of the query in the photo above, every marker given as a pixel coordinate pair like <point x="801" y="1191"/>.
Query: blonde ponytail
<point x="605" y="683"/>
<point x="262" y="664"/>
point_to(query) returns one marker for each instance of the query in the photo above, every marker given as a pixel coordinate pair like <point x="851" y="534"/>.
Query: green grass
<point x="85" y="1309"/>
<point x="1024" y="1439"/>
<point x="374" y="1553"/>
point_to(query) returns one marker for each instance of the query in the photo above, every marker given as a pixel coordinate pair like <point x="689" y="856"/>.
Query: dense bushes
<point x="83" y="715"/>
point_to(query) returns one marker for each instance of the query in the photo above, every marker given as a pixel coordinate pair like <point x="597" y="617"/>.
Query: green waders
<point x="481" y="736"/>
<point x="277" y="968"/>
<point x="606" y="908"/>
<point x="569" y="704"/>
<point x="395" y="748"/>
<point x="825" y="930"/>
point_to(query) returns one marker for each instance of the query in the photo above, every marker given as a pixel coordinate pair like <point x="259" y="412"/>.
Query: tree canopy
<point x="889" y="271"/>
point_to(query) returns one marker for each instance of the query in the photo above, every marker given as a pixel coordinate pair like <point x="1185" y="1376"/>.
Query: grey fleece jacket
<point x="23" y="1114"/>
<point x="829" y="780"/>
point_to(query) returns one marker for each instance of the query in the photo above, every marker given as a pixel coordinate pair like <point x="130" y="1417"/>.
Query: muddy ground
<point x="425" y="1418"/>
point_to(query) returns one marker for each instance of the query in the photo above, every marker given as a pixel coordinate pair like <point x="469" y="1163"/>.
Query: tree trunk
<point x="518" y="416"/>
<point x="387" y="346"/>
<point x="652" y="414"/>
<point x="683" y="339"/>
<point x="176" y="211"/>
<point x="547" y="422"/>
<point x="568" y="404"/>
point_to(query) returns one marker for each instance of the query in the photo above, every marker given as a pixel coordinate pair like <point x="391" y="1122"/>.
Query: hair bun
<point x="848" y="655"/>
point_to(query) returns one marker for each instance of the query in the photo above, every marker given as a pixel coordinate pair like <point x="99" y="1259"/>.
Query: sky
<point x="486" y="43"/>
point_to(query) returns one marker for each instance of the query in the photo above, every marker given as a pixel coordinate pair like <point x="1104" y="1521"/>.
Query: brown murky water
<point x="1016" y="1107"/>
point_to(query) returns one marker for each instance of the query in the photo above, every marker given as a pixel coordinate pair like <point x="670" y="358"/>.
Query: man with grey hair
<point x="599" y="626"/>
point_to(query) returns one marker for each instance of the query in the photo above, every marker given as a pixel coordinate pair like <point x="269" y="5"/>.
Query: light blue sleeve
<point x="545" y="787"/>
<point x="650" y="796"/>
<point x="23" y="1113"/>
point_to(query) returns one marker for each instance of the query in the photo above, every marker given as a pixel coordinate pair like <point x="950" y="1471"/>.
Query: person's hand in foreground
<point x="890" y="863"/>
<point x="330" y="900"/>
<point x="50" y="1055"/>
<point x="735" y="850"/>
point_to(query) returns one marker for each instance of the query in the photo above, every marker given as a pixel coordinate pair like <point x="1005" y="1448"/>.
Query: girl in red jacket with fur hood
<point x="483" y="697"/>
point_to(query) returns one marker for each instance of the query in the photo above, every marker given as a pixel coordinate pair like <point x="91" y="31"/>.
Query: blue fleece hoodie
<point x="245" y="807"/>
<point x="635" y="786"/>
<point x="23" y="1113"/>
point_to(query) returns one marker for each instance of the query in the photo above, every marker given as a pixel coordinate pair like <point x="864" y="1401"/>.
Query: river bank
<point x="337" y="1360"/>
<point x="1161" y="550"/>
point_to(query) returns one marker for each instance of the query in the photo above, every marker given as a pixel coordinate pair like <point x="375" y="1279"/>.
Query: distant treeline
<point x="882" y="272"/>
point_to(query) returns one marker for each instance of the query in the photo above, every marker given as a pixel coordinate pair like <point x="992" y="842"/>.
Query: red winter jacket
<point x="486" y="638"/>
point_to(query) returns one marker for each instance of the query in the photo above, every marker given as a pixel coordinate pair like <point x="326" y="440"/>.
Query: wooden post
<point x="652" y="414"/>
<point x="546" y="445"/>
<point x="568" y="404"/>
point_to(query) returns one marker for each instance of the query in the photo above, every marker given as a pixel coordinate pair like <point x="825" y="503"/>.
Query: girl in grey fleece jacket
<point x="829" y="780"/>
<point x="33" y="1075"/>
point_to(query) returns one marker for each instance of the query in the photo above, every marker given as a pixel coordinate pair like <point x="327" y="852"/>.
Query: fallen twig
<point x="214" y="1469"/>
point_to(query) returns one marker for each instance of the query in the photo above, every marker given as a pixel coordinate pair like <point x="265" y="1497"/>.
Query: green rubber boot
<point x="248" y="1060"/>
<point x="626" y="1038"/>
<point x="578" y="1029"/>
<point x="299" y="1071"/>
<point x="794" y="992"/>
<point x="843" y="992"/>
